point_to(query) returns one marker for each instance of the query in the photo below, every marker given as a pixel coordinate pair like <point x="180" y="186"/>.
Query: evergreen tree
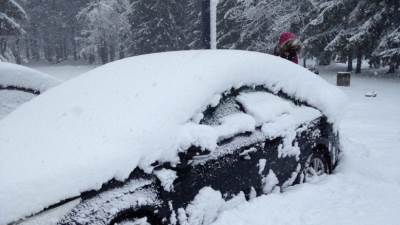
<point x="360" y="34"/>
<point x="11" y="14"/>
<point x="330" y="19"/>
<point x="228" y="23"/>
<point x="389" y="50"/>
<point x="111" y="29"/>
<point x="192" y="27"/>
<point x="257" y="24"/>
<point x="106" y="29"/>
<point x="352" y="29"/>
<point x="52" y="29"/>
<point x="157" y="26"/>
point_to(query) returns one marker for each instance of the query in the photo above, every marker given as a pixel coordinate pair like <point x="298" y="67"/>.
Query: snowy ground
<point x="365" y="189"/>
<point x="62" y="71"/>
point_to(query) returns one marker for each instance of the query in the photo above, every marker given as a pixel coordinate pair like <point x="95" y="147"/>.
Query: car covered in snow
<point x="19" y="84"/>
<point x="167" y="138"/>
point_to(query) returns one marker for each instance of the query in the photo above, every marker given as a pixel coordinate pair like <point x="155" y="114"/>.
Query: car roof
<point x="129" y="113"/>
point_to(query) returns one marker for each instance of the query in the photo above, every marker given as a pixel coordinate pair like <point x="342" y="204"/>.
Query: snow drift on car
<point x="128" y="114"/>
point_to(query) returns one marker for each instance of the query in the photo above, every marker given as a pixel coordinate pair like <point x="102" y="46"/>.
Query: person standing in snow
<point x="288" y="47"/>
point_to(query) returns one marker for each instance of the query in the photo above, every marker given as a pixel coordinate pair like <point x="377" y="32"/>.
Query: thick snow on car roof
<point x="24" y="77"/>
<point x="129" y="113"/>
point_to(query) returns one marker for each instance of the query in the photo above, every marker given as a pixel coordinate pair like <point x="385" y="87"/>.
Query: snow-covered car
<point x="19" y="84"/>
<point x="164" y="137"/>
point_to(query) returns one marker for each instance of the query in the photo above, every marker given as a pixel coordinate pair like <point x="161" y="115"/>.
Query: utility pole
<point x="209" y="23"/>
<point x="213" y="23"/>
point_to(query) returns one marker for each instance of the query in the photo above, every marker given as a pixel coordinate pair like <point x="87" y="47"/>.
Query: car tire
<point x="317" y="165"/>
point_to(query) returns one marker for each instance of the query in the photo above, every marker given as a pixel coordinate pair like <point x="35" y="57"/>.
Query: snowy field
<point x="62" y="71"/>
<point x="365" y="189"/>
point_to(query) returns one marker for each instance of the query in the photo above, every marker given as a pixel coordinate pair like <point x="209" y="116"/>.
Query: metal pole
<point x="213" y="23"/>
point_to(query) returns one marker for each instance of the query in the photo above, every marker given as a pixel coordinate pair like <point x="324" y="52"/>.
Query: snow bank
<point x="206" y="206"/>
<point x="24" y="77"/>
<point x="204" y="209"/>
<point x="129" y="113"/>
<point x="270" y="182"/>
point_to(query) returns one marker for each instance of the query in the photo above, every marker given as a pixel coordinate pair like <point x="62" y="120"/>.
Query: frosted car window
<point x="226" y="107"/>
<point x="264" y="106"/>
<point x="276" y="115"/>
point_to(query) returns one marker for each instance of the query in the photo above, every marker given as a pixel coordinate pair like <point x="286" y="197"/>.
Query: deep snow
<point x="365" y="189"/>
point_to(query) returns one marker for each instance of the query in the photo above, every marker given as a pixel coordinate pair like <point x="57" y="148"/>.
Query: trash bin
<point x="343" y="79"/>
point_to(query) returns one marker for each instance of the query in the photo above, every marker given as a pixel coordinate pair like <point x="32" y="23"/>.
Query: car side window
<point x="264" y="106"/>
<point x="227" y="106"/>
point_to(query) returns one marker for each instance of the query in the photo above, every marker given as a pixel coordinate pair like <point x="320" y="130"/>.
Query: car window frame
<point x="234" y="92"/>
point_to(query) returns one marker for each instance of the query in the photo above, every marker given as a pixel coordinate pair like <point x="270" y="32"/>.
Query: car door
<point x="232" y="167"/>
<point x="289" y="132"/>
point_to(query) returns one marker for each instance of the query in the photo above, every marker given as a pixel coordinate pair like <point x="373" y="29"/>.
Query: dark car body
<point x="237" y="170"/>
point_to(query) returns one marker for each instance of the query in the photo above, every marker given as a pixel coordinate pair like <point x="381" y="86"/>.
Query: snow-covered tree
<point x="52" y="29"/>
<point x="192" y="27"/>
<point x="350" y="28"/>
<point x="359" y="33"/>
<point x="109" y="29"/>
<point x="106" y="29"/>
<point x="259" y="22"/>
<point x="389" y="50"/>
<point x="11" y="14"/>
<point x="157" y="25"/>
<point x="330" y="18"/>
<point x="229" y="23"/>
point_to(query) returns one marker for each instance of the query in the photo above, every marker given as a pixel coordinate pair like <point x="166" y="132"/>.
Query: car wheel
<point x="316" y="165"/>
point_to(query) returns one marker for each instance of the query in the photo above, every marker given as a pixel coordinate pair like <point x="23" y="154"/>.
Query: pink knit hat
<point x="285" y="37"/>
